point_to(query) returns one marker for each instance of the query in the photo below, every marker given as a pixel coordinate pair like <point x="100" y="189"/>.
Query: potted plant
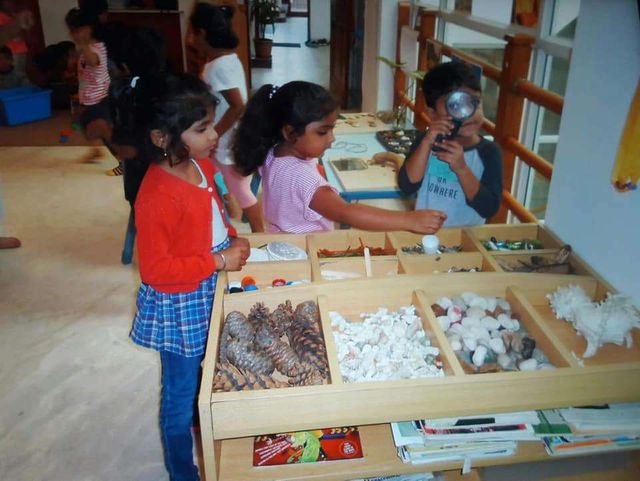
<point x="263" y="13"/>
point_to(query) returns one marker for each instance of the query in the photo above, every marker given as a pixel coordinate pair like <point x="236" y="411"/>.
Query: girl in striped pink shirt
<point x="282" y="134"/>
<point x="93" y="77"/>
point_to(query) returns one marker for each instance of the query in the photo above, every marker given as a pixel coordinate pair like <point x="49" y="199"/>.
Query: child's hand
<point x="426" y="221"/>
<point x="234" y="259"/>
<point x="452" y="153"/>
<point x="243" y="244"/>
<point x="438" y="127"/>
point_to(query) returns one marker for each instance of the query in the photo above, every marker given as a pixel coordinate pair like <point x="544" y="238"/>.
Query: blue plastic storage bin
<point x="24" y="104"/>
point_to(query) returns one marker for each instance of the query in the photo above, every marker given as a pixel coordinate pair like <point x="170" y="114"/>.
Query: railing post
<point x="515" y="66"/>
<point x="427" y="30"/>
<point x="399" y="77"/>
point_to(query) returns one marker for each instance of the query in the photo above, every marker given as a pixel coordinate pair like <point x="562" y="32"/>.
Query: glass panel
<point x="550" y="122"/>
<point x="557" y="75"/>
<point x="537" y="194"/>
<point x="565" y="13"/>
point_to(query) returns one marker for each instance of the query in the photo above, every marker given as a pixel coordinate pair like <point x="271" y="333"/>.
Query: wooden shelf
<point x="232" y="418"/>
<point x="380" y="459"/>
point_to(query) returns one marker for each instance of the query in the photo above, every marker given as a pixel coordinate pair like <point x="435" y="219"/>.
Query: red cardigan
<point x="173" y="223"/>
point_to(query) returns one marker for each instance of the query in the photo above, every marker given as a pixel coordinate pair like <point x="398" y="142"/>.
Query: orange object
<point x="247" y="281"/>
<point x="278" y="282"/>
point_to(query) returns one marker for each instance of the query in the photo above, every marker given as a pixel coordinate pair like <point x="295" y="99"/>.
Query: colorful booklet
<point x="330" y="444"/>
<point x="572" y="445"/>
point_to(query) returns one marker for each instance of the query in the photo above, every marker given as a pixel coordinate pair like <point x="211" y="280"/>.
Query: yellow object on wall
<point x="626" y="170"/>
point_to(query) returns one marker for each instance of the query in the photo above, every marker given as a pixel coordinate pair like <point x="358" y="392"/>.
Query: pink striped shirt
<point x="289" y="184"/>
<point x="93" y="82"/>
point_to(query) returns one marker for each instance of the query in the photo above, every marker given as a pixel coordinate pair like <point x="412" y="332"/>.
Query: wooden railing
<point x="514" y="89"/>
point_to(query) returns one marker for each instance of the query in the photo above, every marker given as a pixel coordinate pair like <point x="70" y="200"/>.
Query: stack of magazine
<point x="594" y="429"/>
<point x="564" y="432"/>
<point x="463" y="438"/>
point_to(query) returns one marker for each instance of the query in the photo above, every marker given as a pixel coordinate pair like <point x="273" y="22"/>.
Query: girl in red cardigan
<point x="184" y="240"/>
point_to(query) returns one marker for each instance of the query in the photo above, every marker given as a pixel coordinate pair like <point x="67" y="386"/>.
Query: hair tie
<point x="274" y="89"/>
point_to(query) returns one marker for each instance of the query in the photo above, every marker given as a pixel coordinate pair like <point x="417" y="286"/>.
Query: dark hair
<point x="296" y="104"/>
<point x="95" y="7"/>
<point x="184" y="100"/>
<point x="447" y="77"/>
<point x="216" y="23"/>
<point x="4" y="50"/>
<point x="77" y="17"/>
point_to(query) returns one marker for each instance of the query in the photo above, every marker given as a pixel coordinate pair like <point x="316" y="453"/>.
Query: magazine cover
<point x="329" y="444"/>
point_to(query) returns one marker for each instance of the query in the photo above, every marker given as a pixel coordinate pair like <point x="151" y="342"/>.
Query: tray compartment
<point x="265" y="272"/>
<point x="515" y="232"/>
<point x="549" y="347"/>
<point x="574" y="343"/>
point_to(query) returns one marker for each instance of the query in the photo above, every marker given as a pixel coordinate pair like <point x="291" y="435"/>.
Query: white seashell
<point x="497" y="346"/>
<point x="470" y="322"/>
<point x="454" y="313"/>
<point x="504" y="320"/>
<point x="505" y="361"/>
<point x="475" y="313"/>
<point x="528" y="365"/>
<point x="490" y="323"/>
<point x="431" y="351"/>
<point x="503" y="304"/>
<point x="480" y="302"/>
<point x="495" y="334"/>
<point x="479" y="356"/>
<point x="444" y="302"/>
<point x="545" y="366"/>
<point x="492" y="302"/>
<point x="470" y="343"/>
<point x="444" y="321"/>
<point x="468" y="297"/>
<point x="458" y="301"/>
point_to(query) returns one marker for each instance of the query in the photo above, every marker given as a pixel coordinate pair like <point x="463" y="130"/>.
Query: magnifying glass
<point x="460" y="105"/>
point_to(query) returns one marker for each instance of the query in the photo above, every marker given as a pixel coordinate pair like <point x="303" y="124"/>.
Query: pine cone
<point x="242" y="355"/>
<point x="307" y="314"/>
<point x="258" y="315"/>
<point x="236" y="326"/>
<point x="229" y="378"/>
<point x="281" y="318"/>
<point x="309" y="346"/>
<point x="309" y="376"/>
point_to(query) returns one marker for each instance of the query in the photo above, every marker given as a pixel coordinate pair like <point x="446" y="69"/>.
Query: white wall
<point x="602" y="225"/>
<point x="52" y="13"/>
<point x="380" y="20"/>
<point x="495" y="10"/>
<point x="320" y="20"/>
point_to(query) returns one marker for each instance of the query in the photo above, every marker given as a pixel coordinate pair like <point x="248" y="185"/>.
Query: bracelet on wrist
<point x="224" y="261"/>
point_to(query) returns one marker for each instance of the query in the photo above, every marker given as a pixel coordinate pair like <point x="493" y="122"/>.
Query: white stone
<point x="479" y="356"/>
<point x="528" y="365"/>
<point x="497" y="346"/>
<point x="444" y="321"/>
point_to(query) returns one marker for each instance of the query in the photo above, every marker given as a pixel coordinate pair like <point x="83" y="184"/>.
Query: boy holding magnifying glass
<point x="450" y="166"/>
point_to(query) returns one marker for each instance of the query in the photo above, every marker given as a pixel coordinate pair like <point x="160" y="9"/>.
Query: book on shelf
<point x="463" y="452"/>
<point x="572" y="445"/>
<point x="621" y="418"/>
<point x="329" y="444"/>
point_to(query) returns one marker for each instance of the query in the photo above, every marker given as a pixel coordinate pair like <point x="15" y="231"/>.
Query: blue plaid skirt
<point x="177" y="322"/>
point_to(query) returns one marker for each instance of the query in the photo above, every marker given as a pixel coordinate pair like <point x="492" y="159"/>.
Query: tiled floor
<point x="293" y="63"/>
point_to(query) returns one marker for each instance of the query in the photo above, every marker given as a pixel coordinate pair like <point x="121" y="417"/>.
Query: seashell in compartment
<point x="444" y="322"/>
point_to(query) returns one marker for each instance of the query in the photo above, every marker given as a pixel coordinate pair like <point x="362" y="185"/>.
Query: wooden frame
<point x="514" y="89"/>
<point x="230" y="419"/>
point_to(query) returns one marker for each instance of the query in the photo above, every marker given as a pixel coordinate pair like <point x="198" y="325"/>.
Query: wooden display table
<point x="230" y="419"/>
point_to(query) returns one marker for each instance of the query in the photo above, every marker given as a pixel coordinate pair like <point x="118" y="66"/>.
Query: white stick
<point x="367" y="262"/>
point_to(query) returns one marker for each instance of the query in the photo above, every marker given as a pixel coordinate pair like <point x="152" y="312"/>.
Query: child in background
<point x="464" y="179"/>
<point x="282" y="134"/>
<point x="183" y="242"/>
<point x="212" y="36"/>
<point x="93" y="77"/>
<point x="10" y="78"/>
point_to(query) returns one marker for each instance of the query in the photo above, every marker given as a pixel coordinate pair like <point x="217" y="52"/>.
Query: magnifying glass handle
<point x="452" y="134"/>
